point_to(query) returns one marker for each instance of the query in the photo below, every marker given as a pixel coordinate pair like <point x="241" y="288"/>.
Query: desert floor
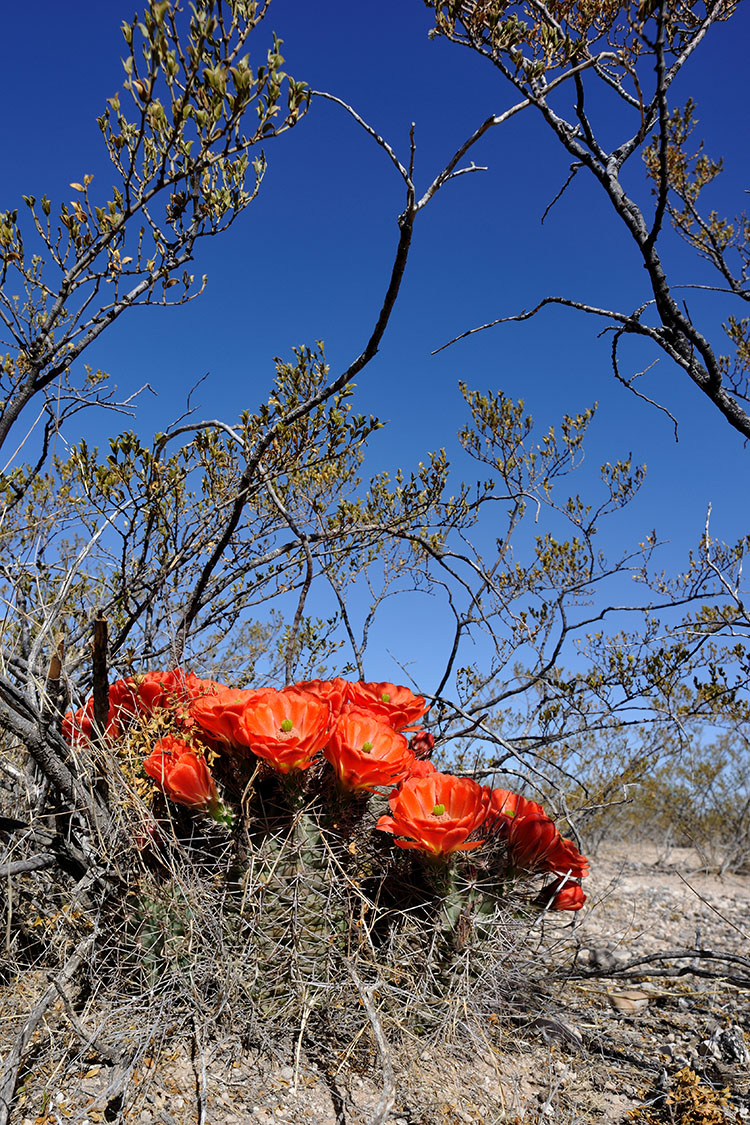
<point x="588" y="1040"/>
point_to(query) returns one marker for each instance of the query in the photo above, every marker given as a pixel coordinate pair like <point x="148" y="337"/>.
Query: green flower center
<point x="385" y="697"/>
<point x="367" y="748"/>
<point x="438" y="810"/>
<point x="287" y="725"/>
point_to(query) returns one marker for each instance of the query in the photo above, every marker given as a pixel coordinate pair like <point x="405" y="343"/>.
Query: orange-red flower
<point x="78" y="726"/>
<point x="173" y="691"/>
<point x="366" y="752"/>
<point x="535" y="844"/>
<point x="140" y="695"/>
<point x="332" y="692"/>
<point x="566" y="859"/>
<point x="506" y="806"/>
<point x="182" y="774"/>
<point x="436" y="813"/>
<point x="565" y="896"/>
<point x="569" y="897"/>
<point x="421" y="768"/>
<point x="220" y="715"/>
<point x="285" y="728"/>
<point x="530" y="841"/>
<point x="395" y="705"/>
<point x="422" y="744"/>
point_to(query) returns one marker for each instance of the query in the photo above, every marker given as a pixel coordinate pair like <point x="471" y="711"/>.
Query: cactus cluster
<point x="294" y="781"/>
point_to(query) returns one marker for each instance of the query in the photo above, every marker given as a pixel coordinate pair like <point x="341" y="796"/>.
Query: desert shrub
<point x="690" y="1101"/>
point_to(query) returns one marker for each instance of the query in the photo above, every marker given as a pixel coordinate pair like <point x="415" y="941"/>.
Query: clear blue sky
<point x="311" y="258"/>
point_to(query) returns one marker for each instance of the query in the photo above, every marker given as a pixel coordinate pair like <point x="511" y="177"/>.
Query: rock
<point x="629" y="1001"/>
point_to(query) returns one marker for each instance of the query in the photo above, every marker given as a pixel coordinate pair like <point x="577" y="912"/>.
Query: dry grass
<point x="291" y="969"/>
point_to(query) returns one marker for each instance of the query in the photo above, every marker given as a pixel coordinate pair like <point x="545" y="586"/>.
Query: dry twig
<point x="388" y="1095"/>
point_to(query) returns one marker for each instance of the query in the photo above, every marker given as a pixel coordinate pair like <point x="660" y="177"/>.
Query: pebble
<point x="630" y="1001"/>
<point x="287" y="1073"/>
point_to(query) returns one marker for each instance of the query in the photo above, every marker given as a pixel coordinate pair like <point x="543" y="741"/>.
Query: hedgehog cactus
<point x="160" y="920"/>
<point x="296" y="906"/>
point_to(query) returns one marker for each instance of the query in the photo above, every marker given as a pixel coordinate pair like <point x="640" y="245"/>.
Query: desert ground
<point x="589" y="1036"/>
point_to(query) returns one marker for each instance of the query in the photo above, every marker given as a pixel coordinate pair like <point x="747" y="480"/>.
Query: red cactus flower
<point x="140" y="695"/>
<point x="365" y="752"/>
<point x="332" y="692"/>
<point x="506" y="806"/>
<point x="394" y="705"/>
<point x="173" y="691"/>
<point x="188" y="686"/>
<point x="420" y="768"/>
<point x="436" y="813"/>
<point x="285" y="728"/>
<point x="566" y="859"/>
<point x="182" y="774"/>
<point x="181" y="689"/>
<point x="78" y="726"/>
<point x="535" y="844"/>
<point x="565" y="896"/>
<point x="534" y="841"/>
<point x="531" y="840"/>
<point x="422" y="744"/>
<point x="569" y="897"/>
<point x="220" y="715"/>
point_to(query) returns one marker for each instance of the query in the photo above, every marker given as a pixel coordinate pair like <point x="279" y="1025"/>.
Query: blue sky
<point x="310" y="259"/>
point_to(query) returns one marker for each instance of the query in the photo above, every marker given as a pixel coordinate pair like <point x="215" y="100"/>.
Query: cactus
<point x="159" y="921"/>
<point x="296" y="905"/>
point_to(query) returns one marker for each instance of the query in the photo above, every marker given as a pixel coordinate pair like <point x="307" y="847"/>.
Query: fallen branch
<point x="388" y="1096"/>
<point x="631" y="969"/>
<point x="88" y="1039"/>
<point x="121" y="1064"/>
<point x="685" y="970"/>
<point x="32" y="863"/>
